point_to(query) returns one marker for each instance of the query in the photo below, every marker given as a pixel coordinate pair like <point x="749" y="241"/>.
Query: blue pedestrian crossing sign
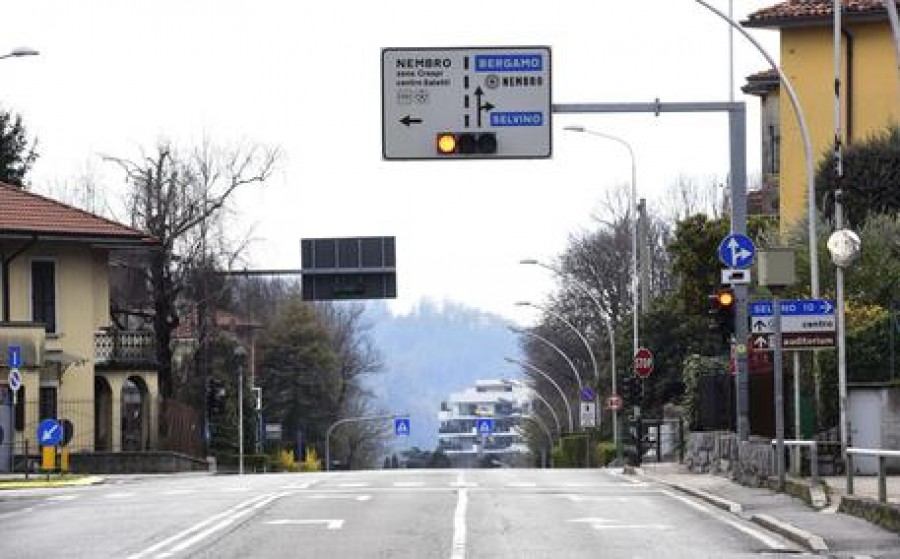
<point x="401" y="426"/>
<point x="50" y="432"/>
<point x="737" y="251"/>
<point x="484" y="426"/>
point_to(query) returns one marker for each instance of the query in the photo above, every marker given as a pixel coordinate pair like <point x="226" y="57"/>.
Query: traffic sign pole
<point x="779" y="395"/>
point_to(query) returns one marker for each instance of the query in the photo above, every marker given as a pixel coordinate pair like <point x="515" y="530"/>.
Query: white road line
<point x="179" y="491"/>
<point x="463" y="484"/>
<point x="63" y="498"/>
<point x="353" y="484"/>
<point x="409" y="484"/>
<point x="297" y="486"/>
<point x="459" y="525"/>
<point x="119" y="495"/>
<point x="522" y="484"/>
<point x="198" y="526"/>
<point x="341" y="496"/>
<point x="331" y="524"/>
<point x="236" y="489"/>
<point x="771" y="542"/>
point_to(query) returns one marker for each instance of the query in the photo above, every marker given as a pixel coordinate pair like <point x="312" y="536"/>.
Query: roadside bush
<point x="606" y="453"/>
<point x="311" y="463"/>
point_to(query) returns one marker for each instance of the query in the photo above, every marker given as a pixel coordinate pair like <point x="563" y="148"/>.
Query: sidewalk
<point x="825" y="531"/>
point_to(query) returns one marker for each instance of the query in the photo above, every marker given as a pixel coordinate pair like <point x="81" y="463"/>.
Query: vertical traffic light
<point x="722" y="305"/>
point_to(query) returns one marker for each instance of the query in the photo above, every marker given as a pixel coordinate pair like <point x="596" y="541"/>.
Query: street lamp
<point x="21" y="51"/>
<point x="542" y="399"/>
<point x="634" y="273"/>
<point x="523" y="332"/>
<point x="571" y="326"/>
<point x="553" y="382"/>
<point x="240" y="354"/>
<point x="609" y="327"/>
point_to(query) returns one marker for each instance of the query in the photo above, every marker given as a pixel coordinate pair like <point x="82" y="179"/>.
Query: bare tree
<point x="175" y="196"/>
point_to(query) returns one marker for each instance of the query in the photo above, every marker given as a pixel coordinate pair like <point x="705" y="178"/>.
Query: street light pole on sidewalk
<point x="240" y="354"/>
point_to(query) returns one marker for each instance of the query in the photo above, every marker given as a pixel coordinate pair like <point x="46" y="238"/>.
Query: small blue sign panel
<point x="526" y="118"/>
<point x="737" y="251"/>
<point x="484" y="426"/>
<point x="15" y="380"/>
<point x="401" y="426"/>
<point x="509" y="63"/>
<point x="793" y="307"/>
<point x="588" y="394"/>
<point x="14" y="358"/>
<point x="49" y="432"/>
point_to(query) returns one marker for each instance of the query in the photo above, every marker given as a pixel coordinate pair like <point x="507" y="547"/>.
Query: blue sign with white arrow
<point x="49" y="432"/>
<point x="793" y="307"/>
<point x="401" y="426"/>
<point x="737" y="251"/>
<point x="484" y="426"/>
<point x="14" y="359"/>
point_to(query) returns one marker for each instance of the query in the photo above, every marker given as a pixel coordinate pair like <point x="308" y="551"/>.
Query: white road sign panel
<point x="491" y="102"/>
<point x="588" y="414"/>
<point x="790" y="324"/>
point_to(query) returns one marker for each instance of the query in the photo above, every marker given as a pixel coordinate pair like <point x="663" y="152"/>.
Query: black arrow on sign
<point x="481" y="106"/>
<point x="759" y="325"/>
<point x="407" y="120"/>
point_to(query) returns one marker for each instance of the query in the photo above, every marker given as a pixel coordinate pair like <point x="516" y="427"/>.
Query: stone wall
<point x="719" y="452"/>
<point x="158" y="462"/>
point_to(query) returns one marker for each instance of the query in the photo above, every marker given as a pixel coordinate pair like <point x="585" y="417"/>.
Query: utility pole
<point x="240" y="354"/>
<point x="644" y="251"/>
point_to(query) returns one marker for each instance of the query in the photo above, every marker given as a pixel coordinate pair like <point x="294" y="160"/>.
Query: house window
<point x="43" y="293"/>
<point x="47" y="403"/>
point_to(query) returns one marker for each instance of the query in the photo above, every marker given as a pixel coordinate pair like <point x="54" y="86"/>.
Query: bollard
<point x="848" y="463"/>
<point x="814" y="463"/>
<point x="882" y="480"/>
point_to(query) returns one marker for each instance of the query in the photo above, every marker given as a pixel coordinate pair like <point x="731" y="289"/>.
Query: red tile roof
<point x="25" y="212"/>
<point x="794" y="12"/>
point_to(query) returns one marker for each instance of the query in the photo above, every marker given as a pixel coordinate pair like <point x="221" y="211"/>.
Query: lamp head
<point x="576" y="128"/>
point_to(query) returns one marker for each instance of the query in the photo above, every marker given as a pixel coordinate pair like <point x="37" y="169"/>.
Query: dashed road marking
<point x="63" y="498"/>
<point x="409" y="484"/>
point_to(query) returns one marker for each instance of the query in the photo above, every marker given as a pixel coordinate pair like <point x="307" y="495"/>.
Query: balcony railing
<point x="124" y="347"/>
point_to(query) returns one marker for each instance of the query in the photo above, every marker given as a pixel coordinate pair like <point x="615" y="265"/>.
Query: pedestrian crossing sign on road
<point x="401" y="426"/>
<point x="484" y="426"/>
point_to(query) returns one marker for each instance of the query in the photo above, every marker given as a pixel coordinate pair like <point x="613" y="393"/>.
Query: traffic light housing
<point x="632" y="390"/>
<point x="722" y="305"/>
<point x="466" y="143"/>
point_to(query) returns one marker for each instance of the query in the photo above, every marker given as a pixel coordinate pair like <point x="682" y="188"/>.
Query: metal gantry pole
<point x="737" y="125"/>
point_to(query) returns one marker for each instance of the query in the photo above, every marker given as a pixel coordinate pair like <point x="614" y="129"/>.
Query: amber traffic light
<point x="466" y="143"/>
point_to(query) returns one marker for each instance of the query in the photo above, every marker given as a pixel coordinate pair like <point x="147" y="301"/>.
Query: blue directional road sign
<point x="737" y="251"/>
<point x="14" y="359"/>
<point x="484" y="426"/>
<point x="588" y="394"/>
<point x="401" y="426"/>
<point x="50" y="432"/>
<point x="794" y="307"/>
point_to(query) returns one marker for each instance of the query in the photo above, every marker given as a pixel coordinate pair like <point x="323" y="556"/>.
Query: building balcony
<point x="29" y="336"/>
<point x="124" y="348"/>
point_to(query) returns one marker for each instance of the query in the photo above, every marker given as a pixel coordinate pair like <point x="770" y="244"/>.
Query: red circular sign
<point x="643" y="362"/>
<point x="614" y="402"/>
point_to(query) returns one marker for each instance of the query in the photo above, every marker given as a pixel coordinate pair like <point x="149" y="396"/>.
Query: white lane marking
<point x="341" y="496"/>
<point x="236" y="489"/>
<point x="198" y="526"/>
<point x="331" y="524"/>
<point x="772" y="543"/>
<point x="522" y="484"/>
<point x="63" y="498"/>
<point x="409" y="484"/>
<point x="119" y="495"/>
<point x="583" y="498"/>
<point x="297" y="486"/>
<point x="605" y="484"/>
<point x="463" y="484"/>
<point x="352" y="484"/>
<point x="179" y="491"/>
<point x="631" y="527"/>
<point x="227" y="521"/>
<point x="459" y="524"/>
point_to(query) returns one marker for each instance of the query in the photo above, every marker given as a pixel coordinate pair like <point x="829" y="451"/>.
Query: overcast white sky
<point x="116" y="75"/>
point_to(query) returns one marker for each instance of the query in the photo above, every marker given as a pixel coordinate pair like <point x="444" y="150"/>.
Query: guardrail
<point x="882" y="478"/>
<point x="813" y="457"/>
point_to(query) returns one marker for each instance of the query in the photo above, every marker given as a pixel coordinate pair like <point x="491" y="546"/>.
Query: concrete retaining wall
<point x="155" y="462"/>
<point x="719" y="452"/>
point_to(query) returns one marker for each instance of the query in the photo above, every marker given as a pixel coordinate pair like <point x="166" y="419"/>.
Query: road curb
<point x="37" y="483"/>
<point x="715" y="500"/>
<point x="811" y="541"/>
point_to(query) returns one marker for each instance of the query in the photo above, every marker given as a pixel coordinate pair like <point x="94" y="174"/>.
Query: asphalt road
<point x="416" y="514"/>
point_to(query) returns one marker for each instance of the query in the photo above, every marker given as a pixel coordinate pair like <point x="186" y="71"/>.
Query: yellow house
<point x="871" y="96"/>
<point x="55" y="307"/>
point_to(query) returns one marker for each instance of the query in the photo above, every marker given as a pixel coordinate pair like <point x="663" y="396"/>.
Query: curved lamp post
<point x="571" y="326"/>
<point x="635" y="280"/>
<point x="543" y="427"/>
<point x="553" y="382"/>
<point x="22" y="51"/>
<point x="524" y="332"/>
<point x="542" y="399"/>
<point x="350" y="420"/>
<point x="609" y="327"/>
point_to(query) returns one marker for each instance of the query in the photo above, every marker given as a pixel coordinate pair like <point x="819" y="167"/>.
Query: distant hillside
<point x="434" y="350"/>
